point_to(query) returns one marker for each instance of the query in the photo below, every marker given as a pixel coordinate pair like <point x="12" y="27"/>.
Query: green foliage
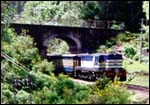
<point x="136" y="66"/>
<point x="47" y="11"/>
<point x="136" y="57"/>
<point x="22" y="97"/>
<point x="44" y="67"/>
<point x="69" y="91"/>
<point x="124" y="37"/>
<point x="6" y="71"/>
<point x="6" y="94"/>
<point x="48" y="88"/>
<point x="40" y="80"/>
<point x="18" y="45"/>
<point x="129" y="52"/>
<point x="109" y="43"/>
<point x="57" y="46"/>
<point x="90" y="10"/>
<point x="7" y="12"/>
<point x="104" y="92"/>
<point x="62" y="82"/>
<point x="112" y="95"/>
<point x="60" y="90"/>
<point x="102" y="82"/>
<point x="101" y="49"/>
<point x="118" y="40"/>
<point x="22" y="50"/>
<point x="146" y="8"/>
<point x="116" y="10"/>
<point x="5" y="32"/>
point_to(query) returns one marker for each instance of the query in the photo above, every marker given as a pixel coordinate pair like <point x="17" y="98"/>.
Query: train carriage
<point x="90" y="66"/>
<point x="63" y="63"/>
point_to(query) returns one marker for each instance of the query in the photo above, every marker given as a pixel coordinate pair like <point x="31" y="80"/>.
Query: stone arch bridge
<point x="79" y="39"/>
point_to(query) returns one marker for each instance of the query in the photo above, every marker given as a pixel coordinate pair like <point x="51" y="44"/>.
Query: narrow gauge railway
<point x="137" y="87"/>
<point x="141" y="92"/>
<point x="89" y="66"/>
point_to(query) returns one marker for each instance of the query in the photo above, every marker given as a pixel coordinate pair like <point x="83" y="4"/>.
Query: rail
<point x="137" y="87"/>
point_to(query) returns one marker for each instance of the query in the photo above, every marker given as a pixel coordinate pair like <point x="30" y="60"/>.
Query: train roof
<point x="62" y="55"/>
<point x="98" y="54"/>
<point x="81" y="54"/>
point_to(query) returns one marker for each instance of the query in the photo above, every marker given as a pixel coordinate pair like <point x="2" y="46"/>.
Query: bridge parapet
<point x="88" y="23"/>
<point x="100" y="24"/>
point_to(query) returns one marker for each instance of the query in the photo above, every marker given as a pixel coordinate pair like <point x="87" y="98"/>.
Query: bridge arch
<point x="72" y="41"/>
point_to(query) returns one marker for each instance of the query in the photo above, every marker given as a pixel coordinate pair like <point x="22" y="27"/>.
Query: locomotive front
<point x="112" y="66"/>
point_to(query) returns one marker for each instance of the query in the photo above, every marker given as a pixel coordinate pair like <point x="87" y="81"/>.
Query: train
<point x="89" y="66"/>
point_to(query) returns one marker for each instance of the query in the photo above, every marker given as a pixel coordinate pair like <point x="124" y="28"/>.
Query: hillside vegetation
<point x="20" y="59"/>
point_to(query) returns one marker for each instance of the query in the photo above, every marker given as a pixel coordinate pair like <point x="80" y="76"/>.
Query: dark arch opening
<point x="62" y="45"/>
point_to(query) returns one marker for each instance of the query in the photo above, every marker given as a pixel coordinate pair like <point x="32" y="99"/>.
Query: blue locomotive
<point x="90" y="66"/>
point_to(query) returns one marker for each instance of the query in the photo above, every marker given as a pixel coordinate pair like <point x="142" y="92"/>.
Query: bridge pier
<point x="43" y="52"/>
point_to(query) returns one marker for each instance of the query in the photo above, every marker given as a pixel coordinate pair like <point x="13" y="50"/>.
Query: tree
<point x="7" y="13"/>
<point x="57" y="46"/>
<point x="46" y="12"/>
<point x="146" y="8"/>
<point x="90" y="10"/>
<point x="129" y="12"/>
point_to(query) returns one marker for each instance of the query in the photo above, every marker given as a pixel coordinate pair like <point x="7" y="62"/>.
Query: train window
<point x="96" y="60"/>
<point x="101" y="58"/>
<point x="87" y="58"/>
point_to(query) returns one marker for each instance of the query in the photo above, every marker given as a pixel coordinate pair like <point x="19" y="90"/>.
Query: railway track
<point x="140" y="92"/>
<point x="137" y="87"/>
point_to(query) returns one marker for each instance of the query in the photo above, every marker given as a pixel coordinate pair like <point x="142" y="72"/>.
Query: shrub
<point x="44" y="67"/>
<point x="109" y="43"/>
<point x="101" y="49"/>
<point x="112" y="95"/>
<point x="104" y="92"/>
<point x="129" y="52"/>
<point x="21" y="49"/>
<point x="102" y="82"/>
<point x="6" y="93"/>
<point x="136" y="57"/>
<point x="41" y="80"/>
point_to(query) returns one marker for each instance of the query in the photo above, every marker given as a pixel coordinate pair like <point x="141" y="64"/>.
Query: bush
<point x="129" y="52"/>
<point x="61" y="90"/>
<point x="104" y="92"/>
<point x="136" y="57"/>
<point x="90" y="10"/>
<point x="112" y="95"/>
<point x="21" y="49"/>
<point x="57" y="46"/>
<point x="41" y="80"/>
<point x="109" y="43"/>
<point x="101" y="49"/>
<point x="44" y="67"/>
<point x="102" y="82"/>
